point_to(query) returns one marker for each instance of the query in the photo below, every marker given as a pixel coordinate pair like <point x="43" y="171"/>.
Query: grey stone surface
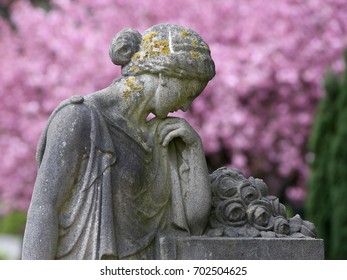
<point x="223" y="248"/>
<point x="109" y="180"/>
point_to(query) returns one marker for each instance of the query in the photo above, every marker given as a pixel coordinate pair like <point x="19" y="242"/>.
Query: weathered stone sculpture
<point x="242" y="207"/>
<point x="109" y="180"/>
<point x="113" y="184"/>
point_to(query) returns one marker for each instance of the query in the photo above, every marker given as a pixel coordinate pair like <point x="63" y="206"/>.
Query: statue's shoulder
<point x="76" y="99"/>
<point x="70" y="124"/>
<point x="71" y="107"/>
<point x="71" y="119"/>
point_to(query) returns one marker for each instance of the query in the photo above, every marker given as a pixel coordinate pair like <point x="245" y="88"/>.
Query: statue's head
<point x="166" y="49"/>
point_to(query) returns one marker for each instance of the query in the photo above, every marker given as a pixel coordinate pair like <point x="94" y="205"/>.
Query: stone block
<point x="224" y="248"/>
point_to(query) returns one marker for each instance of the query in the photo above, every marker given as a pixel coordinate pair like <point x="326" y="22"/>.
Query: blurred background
<point x="275" y="109"/>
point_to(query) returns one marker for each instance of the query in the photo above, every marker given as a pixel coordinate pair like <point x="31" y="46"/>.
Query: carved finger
<point x="168" y="121"/>
<point x="171" y="135"/>
<point x="166" y="129"/>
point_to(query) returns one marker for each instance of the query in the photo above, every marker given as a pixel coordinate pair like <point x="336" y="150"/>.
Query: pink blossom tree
<point x="255" y="115"/>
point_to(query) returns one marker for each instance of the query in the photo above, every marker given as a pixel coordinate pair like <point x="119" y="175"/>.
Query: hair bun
<point x="124" y="45"/>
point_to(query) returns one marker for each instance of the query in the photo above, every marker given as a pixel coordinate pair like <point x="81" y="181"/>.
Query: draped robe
<point x="128" y="191"/>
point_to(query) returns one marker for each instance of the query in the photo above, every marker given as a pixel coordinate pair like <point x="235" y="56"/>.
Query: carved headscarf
<point x="169" y="49"/>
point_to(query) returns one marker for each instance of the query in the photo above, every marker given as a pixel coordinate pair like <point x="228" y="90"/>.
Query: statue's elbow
<point x="198" y="217"/>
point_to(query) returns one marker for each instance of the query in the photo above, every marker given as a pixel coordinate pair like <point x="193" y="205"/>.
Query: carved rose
<point x="225" y="183"/>
<point x="295" y="223"/>
<point x="260" y="185"/>
<point x="259" y="215"/>
<point x="299" y="226"/>
<point x="281" y="225"/>
<point x="227" y="188"/>
<point x="243" y="231"/>
<point x="308" y="229"/>
<point x="231" y="212"/>
<point x="248" y="192"/>
<point x="278" y="209"/>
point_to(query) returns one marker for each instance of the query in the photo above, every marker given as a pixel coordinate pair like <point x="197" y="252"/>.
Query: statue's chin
<point x="161" y="116"/>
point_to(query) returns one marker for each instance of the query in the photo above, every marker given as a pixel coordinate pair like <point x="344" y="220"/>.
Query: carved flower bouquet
<point x="242" y="208"/>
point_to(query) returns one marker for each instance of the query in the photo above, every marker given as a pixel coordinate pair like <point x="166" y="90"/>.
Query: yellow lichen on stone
<point x="206" y="46"/>
<point x="134" y="69"/>
<point x="149" y="37"/>
<point x="198" y="44"/>
<point x="195" y="43"/>
<point x="135" y="56"/>
<point x="156" y="48"/>
<point x="161" y="47"/>
<point x="184" y="33"/>
<point x="196" y="55"/>
<point x="131" y="85"/>
<point x="152" y="47"/>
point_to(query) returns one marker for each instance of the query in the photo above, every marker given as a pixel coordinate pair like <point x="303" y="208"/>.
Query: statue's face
<point x="176" y="94"/>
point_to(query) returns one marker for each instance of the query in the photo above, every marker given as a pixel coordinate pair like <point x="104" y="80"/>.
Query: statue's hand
<point x="173" y="127"/>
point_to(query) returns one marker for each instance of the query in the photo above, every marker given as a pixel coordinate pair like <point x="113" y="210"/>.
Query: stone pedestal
<point x="206" y="248"/>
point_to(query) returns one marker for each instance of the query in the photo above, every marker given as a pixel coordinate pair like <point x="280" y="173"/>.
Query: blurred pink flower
<point x="270" y="57"/>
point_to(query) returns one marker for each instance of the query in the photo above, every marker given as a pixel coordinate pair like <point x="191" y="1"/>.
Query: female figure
<point x="109" y="180"/>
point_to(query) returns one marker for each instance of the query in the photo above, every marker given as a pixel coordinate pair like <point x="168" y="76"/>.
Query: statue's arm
<point x="66" y="146"/>
<point x="196" y="189"/>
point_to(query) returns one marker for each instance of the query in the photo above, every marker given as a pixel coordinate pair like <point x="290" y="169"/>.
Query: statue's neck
<point x="128" y="98"/>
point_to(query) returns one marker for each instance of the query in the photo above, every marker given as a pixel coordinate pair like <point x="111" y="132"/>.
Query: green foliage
<point x="13" y="223"/>
<point x="45" y="4"/>
<point x="326" y="205"/>
<point x="3" y="256"/>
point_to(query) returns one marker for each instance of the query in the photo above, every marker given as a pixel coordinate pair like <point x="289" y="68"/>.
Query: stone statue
<point x="109" y="179"/>
<point x="114" y="184"/>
